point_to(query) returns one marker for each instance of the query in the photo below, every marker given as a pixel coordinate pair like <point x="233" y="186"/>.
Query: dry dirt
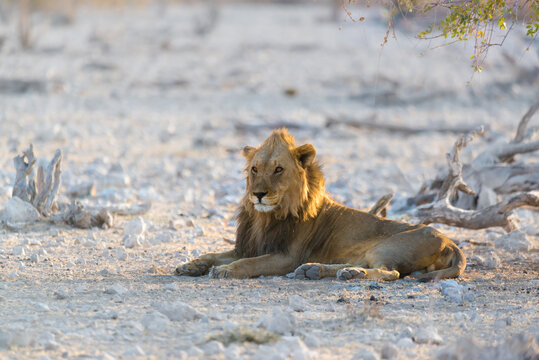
<point x="149" y="107"/>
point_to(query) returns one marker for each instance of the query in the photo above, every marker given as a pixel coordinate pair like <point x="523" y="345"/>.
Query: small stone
<point x="297" y="303"/>
<point x="155" y="321"/>
<point x="294" y="347"/>
<point x="61" y="293"/>
<point x="19" y="250"/>
<point x="103" y="272"/>
<point x="390" y="351"/>
<point x="133" y="352"/>
<point x="172" y="287"/>
<point x="116" y="289"/>
<point x="278" y="322"/>
<point x="41" y="307"/>
<point x="213" y="348"/>
<point x="135" y="227"/>
<point x="366" y="353"/>
<point x="132" y="241"/>
<point x="178" y="311"/>
<point x="515" y="241"/>
<point x="19" y="212"/>
<point x="405" y="342"/>
<point x="121" y="254"/>
<point x="492" y="261"/>
<point x="195" y="352"/>
<point x="311" y="341"/>
<point x="428" y="335"/>
<point x="35" y="258"/>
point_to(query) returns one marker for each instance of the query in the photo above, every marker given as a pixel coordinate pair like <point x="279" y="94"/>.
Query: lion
<point x="287" y="222"/>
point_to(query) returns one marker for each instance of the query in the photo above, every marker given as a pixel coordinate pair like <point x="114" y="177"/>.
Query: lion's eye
<point x="278" y="169"/>
<point x="254" y="170"/>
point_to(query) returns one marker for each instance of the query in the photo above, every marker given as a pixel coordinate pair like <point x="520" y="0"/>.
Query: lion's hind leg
<point x="316" y="271"/>
<point x="350" y="273"/>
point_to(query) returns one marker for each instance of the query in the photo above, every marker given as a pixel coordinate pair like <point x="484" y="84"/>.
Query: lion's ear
<point x="248" y="151"/>
<point x="305" y="154"/>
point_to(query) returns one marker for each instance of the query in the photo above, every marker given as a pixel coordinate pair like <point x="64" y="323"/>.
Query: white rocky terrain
<point x="149" y="103"/>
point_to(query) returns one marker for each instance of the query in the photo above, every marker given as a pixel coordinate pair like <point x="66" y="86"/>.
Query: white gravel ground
<point x="149" y="110"/>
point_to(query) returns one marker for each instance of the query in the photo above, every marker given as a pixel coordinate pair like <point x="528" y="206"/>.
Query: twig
<point x="380" y="208"/>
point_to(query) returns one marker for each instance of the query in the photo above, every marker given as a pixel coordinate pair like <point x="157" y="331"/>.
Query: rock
<point x="35" y="258"/>
<point x="172" y="287"/>
<point x="155" y="321"/>
<point x="213" y="348"/>
<point x="389" y="351"/>
<point x="5" y="339"/>
<point x="121" y="254"/>
<point x="297" y="303"/>
<point x="278" y="322"/>
<point x="133" y="352"/>
<point x="195" y="352"/>
<point x="61" y="293"/>
<point x="135" y="227"/>
<point x="233" y="352"/>
<point x="19" y="250"/>
<point x="405" y="342"/>
<point x="366" y="353"/>
<point x="455" y="292"/>
<point x="295" y="348"/>
<point x="491" y="261"/>
<point x="41" y="307"/>
<point x="19" y="213"/>
<point x="515" y="241"/>
<point x="178" y="311"/>
<point x="48" y="341"/>
<point x="116" y="289"/>
<point x="131" y="241"/>
<point x="428" y="335"/>
<point x="311" y="341"/>
<point x="22" y="337"/>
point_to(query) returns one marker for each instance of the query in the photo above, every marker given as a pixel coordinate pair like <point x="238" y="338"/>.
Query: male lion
<point x="287" y="219"/>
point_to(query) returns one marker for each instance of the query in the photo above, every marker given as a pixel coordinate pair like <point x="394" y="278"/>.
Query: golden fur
<point x="287" y="219"/>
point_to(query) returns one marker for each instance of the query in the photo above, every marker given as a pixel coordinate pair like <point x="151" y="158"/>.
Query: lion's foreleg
<point x="200" y="266"/>
<point x="270" y="264"/>
<point x="349" y="273"/>
<point x="316" y="271"/>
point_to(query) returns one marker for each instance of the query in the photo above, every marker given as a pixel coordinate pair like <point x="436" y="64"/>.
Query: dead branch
<point x="370" y="123"/>
<point x="491" y="174"/>
<point x="46" y="196"/>
<point x="21" y="188"/>
<point x="380" y="208"/>
<point x="443" y="212"/>
<point x="76" y="215"/>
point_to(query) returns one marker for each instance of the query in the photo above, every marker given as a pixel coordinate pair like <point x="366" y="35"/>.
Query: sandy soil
<point x="149" y="108"/>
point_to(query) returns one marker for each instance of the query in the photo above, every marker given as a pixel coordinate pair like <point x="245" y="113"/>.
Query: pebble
<point x="389" y="351"/>
<point x="213" y="348"/>
<point x="366" y="353"/>
<point x="121" y="254"/>
<point x="195" y="352"/>
<point x="455" y="292"/>
<point x="116" y="289"/>
<point x="41" y="307"/>
<point x="297" y="303"/>
<point x="515" y="241"/>
<point x="19" y="250"/>
<point x="61" y="293"/>
<point x="278" y="321"/>
<point x="35" y="258"/>
<point x="428" y="335"/>
<point x="405" y="342"/>
<point x="311" y="341"/>
<point x="178" y="311"/>
<point x="135" y="227"/>
<point x="155" y="321"/>
<point x="19" y="212"/>
<point x="133" y="352"/>
<point x="172" y="287"/>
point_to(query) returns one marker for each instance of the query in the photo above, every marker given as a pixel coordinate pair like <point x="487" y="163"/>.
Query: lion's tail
<point x="457" y="266"/>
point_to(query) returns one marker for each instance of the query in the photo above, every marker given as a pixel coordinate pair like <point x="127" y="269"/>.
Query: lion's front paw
<point x="351" y="273"/>
<point x="220" y="272"/>
<point x="308" y="271"/>
<point x="192" y="268"/>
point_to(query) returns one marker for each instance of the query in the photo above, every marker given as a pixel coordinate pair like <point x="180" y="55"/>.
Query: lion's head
<point x="283" y="179"/>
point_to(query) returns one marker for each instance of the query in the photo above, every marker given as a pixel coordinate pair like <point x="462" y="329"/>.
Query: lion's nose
<point x="260" y="195"/>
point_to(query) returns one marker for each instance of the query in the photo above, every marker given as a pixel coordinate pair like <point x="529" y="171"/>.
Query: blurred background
<point x="154" y="87"/>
